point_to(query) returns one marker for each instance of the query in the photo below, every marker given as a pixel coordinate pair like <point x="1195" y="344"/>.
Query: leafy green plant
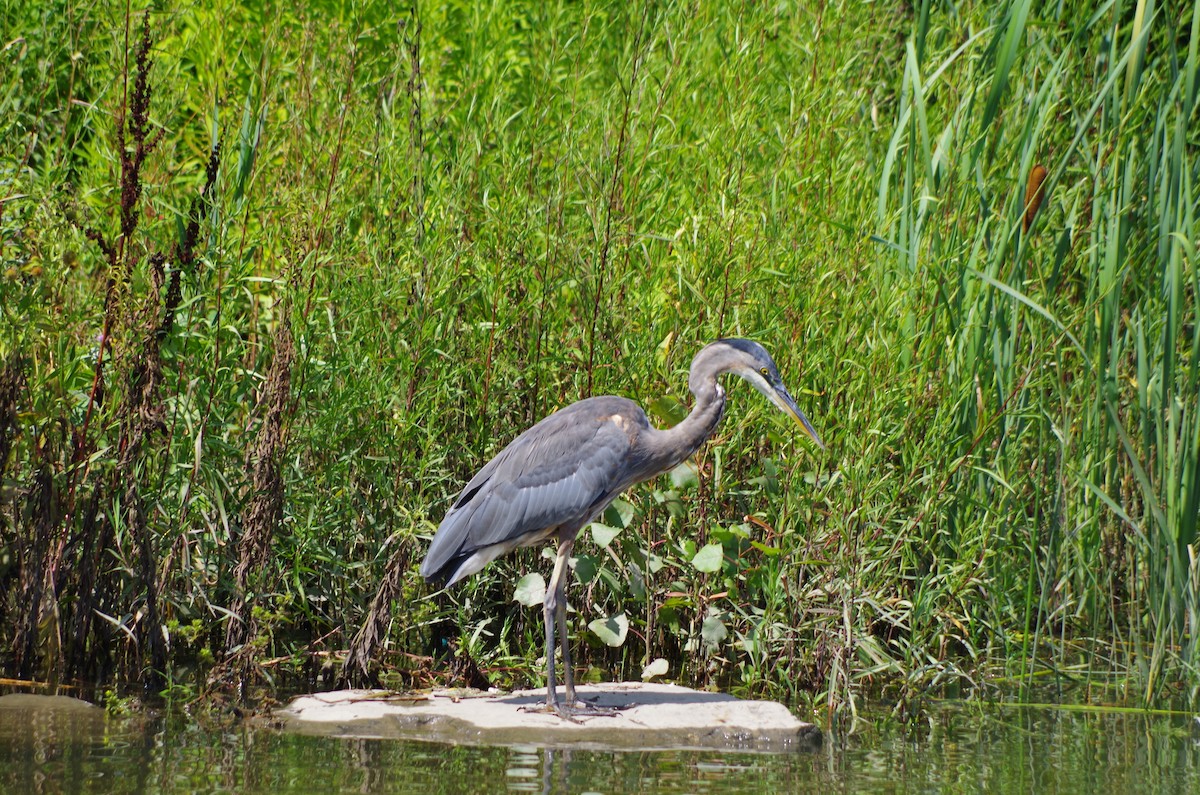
<point x="967" y="233"/>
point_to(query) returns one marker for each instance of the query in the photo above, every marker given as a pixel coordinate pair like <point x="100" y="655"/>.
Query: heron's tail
<point x="443" y="576"/>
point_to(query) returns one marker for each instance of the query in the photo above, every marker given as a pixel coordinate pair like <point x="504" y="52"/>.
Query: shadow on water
<point x="63" y="747"/>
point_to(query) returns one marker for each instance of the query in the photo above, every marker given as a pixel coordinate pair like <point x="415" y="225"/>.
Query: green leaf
<point x="766" y="550"/>
<point x="603" y="535"/>
<point x="713" y="631"/>
<point x="637" y="583"/>
<point x="657" y="668"/>
<point x="619" y="514"/>
<point x="1014" y="35"/>
<point x="709" y="558"/>
<point x="670" y="500"/>
<point x="585" y="569"/>
<point x="611" y="630"/>
<point x="616" y="585"/>
<point x="530" y="590"/>
<point x="668" y="410"/>
<point x="685" y="476"/>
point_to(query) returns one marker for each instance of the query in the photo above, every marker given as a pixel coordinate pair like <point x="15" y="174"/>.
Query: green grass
<point x="473" y="214"/>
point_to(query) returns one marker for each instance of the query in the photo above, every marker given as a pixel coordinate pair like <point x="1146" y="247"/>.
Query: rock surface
<point x="649" y="716"/>
<point x="30" y="701"/>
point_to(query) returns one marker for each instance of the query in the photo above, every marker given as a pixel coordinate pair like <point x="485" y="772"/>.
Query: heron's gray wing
<point x="558" y="472"/>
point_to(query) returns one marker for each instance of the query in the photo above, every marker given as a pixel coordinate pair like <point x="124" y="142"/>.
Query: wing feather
<point x="556" y="474"/>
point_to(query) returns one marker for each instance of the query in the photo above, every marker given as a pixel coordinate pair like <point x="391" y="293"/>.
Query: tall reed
<point x="1064" y="315"/>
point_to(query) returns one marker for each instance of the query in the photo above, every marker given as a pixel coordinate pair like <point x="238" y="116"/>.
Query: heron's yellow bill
<point x="783" y="400"/>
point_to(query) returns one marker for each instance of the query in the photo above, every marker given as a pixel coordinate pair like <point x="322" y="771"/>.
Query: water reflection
<point x="958" y="750"/>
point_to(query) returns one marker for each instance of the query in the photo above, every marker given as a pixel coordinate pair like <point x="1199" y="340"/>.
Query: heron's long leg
<point x="556" y="600"/>
<point x="548" y="616"/>
<point x="561" y="619"/>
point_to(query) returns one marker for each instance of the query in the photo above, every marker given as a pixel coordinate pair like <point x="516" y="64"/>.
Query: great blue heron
<point x="556" y="477"/>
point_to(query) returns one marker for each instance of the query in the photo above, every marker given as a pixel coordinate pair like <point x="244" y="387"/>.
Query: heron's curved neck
<point x="686" y="437"/>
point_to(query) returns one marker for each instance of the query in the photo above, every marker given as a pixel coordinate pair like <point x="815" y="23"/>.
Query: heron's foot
<point x="572" y="710"/>
<point x="561" y="710"/>
<point x="587" y="709"/>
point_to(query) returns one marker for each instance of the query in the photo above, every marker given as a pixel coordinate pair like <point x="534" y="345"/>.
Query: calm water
<point x="1005" y="750"/>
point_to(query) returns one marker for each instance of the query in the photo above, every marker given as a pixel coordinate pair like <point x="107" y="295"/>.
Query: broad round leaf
<point x="657" y="668"/>
<point x="603" y="535"/>
<point x="530" y="590"/>
<point x="713" y="631"/>
<point x="585" y="568"/>
<point x="685" y="476"/>
<point x="611" y="630"/>
<point x="618" y="514"/>
<point x="709" y="558"/>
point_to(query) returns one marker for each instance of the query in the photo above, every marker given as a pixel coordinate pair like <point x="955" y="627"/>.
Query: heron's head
<point x="752" y="362"/>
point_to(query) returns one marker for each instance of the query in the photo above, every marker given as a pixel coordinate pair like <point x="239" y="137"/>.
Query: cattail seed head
<point x="1034" y="194"/>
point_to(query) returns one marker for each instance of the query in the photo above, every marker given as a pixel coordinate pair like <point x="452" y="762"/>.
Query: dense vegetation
<point x="276" y="281"/>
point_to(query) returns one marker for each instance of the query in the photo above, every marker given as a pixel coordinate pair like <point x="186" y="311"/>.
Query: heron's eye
<point x="765" y="371"/>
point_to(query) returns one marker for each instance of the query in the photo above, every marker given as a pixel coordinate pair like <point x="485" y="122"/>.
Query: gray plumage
<point x="556" y="477"/>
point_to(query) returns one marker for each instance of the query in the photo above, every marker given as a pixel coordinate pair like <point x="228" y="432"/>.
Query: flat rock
<point x="648" y="716"/>
<point x="34" y="701"/>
